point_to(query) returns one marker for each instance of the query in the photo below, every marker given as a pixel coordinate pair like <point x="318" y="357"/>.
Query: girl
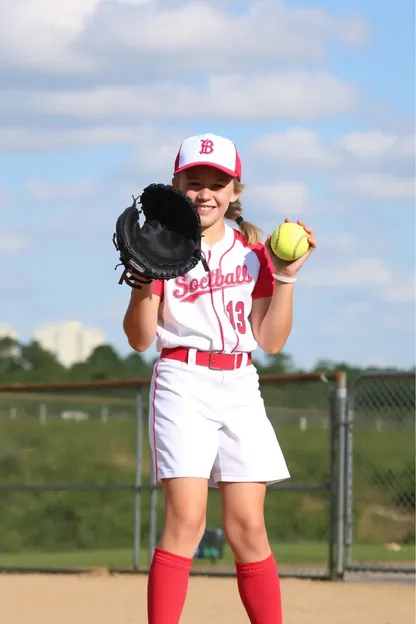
<point x="207" y="421"/>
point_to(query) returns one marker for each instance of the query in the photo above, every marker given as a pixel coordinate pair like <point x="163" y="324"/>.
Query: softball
<point x="289" y="241"/>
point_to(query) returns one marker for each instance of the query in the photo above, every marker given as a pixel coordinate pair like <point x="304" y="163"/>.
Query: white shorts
<point x="211" y="424"/>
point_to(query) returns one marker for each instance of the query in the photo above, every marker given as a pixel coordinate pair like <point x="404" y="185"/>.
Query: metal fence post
<point x="349" y="468"/>
<point x="43" y="410"/>
<point x="332" y="501"/>
<point x="341" y="400"/>
<point x="138" y="480"/>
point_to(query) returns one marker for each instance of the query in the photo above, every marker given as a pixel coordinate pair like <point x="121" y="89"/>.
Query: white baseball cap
<point x="209" y="149"/>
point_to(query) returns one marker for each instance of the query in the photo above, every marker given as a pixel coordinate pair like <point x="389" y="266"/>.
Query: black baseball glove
<point x="167" y="245"/>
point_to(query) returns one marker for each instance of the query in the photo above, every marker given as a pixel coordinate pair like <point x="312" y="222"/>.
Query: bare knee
<point x="186" y="526"/>
<point x="247" y="537"/>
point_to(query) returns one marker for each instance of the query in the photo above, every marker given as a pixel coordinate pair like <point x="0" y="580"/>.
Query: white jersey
<point x="210" y="311"/>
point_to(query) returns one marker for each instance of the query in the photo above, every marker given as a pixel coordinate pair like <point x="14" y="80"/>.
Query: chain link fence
<point x="380" y="474"/>
<point x="69" y="461"/>
<point x="77" y="490"/>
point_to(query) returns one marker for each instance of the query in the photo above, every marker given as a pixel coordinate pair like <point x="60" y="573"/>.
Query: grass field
<point x="286" y="554"/>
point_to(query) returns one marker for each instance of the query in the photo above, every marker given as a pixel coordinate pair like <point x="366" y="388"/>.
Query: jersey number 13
<point x="236" y="314"/>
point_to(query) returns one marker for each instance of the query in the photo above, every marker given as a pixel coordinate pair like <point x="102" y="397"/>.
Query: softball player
<point x="207" y="421"/>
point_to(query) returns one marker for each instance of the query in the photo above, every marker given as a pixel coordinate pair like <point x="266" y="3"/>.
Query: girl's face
<point x="210" y="189"/>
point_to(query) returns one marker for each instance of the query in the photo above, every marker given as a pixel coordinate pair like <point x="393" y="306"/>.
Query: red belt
<point x="212" y="359"/>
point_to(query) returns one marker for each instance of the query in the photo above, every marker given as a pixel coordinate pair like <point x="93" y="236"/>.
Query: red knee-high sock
<point x="167" y="587"/>
<point x="259" y="587"/>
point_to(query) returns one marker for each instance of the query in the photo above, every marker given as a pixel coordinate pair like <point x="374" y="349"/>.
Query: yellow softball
<point x="289" y="241"/>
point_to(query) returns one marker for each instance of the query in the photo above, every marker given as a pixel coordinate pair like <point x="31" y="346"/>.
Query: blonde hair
<point x="250" y="232"/>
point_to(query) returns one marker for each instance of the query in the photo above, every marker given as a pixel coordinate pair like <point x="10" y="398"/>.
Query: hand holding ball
<point x="289" y="241"/>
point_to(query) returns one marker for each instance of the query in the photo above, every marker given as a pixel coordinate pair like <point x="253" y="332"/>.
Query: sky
<point x="97" y="95"/>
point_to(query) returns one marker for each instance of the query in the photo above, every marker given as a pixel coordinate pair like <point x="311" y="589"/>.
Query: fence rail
<point x="110" y="505"/>
<point x="134" y="383"/>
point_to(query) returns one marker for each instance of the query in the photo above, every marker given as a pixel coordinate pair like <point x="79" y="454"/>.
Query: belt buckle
<point x="212" y="354"/>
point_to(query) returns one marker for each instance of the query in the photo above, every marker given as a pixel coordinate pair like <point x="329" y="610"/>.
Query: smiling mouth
<point x="206" y="208"/>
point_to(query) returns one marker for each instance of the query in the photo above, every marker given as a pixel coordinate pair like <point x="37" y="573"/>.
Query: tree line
<point x="30" y="362"/>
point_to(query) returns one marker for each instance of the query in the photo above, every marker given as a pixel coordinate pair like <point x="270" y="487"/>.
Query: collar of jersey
<point x="225" y="241"/>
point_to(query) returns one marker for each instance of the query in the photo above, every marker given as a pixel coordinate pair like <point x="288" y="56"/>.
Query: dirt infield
<point x="33" y="599"/>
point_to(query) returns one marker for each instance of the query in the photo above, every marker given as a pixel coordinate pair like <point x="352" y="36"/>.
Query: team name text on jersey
<point x="215" y="280"/>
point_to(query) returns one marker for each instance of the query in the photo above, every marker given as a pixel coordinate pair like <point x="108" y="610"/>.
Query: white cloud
<point x="340" y="243"/>
<point x="374" y="145"/>
<point x="285" y="95"/>
<point x="134" y="2"/>
<point x="153" y="151"/>
<point x="47" y="192"/>
<point x="40" y="34"/>
<point x="84" y="34"/>
<point x="19" y="139"/>
<point x="378" y="186"/>
<point x="266" y="28"/>
<point x="357" y="272"/>
<point x="11" y="243"/>
<point x="287" y="198"/>
<point x="98" y="68"/>
<point x="296" y="147"/>
<point x="302" y="147"/>
<point x="403" y="290"/>
<point x="372" y="164"/>
<point x="365" y="272"/>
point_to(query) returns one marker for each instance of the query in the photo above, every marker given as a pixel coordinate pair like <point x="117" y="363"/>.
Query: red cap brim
<point x="233" y="174"/>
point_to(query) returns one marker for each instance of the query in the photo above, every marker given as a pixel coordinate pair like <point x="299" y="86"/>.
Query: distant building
<point x="8" y="336"/>
<point x="70" y="342"/>
<point x="7" y="331"/>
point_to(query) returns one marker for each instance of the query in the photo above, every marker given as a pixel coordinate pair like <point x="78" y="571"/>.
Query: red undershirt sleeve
<point x="157" y="288"/>
<point x="265" y="281"/>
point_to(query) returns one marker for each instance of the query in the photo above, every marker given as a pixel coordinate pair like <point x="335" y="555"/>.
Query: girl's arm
<point x="272" y="317"/>
<point x="140" y="320"/>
